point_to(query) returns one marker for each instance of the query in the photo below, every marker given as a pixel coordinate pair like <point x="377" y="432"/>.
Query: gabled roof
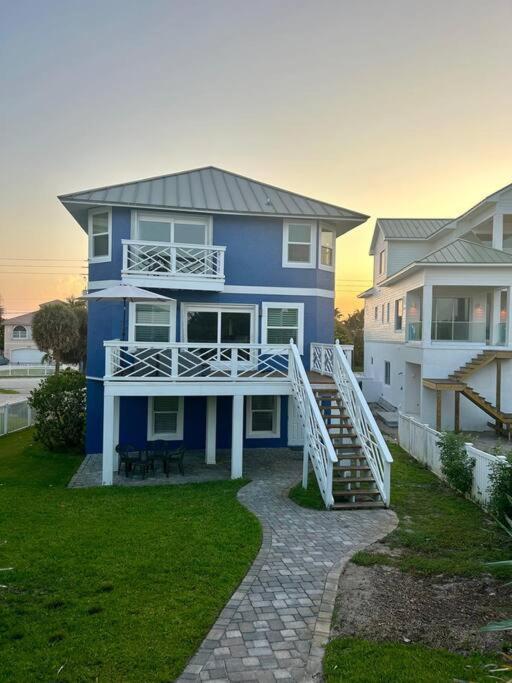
<point x="407" y="228"/>
<point x="466" y="252"/>
<point x="214" y="190"/>
<point x="25" y="319"/>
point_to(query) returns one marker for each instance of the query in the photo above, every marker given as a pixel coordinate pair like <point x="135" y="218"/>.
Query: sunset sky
<point x="394" y="108"/>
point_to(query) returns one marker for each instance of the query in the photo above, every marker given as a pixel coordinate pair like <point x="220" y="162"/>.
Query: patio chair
<point x="177" y="457"/>
<point x="129" y="456"/>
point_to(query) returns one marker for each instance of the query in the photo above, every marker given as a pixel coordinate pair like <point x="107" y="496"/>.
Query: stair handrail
<point x="370" y="437"/>
<point x="318" y="447"/>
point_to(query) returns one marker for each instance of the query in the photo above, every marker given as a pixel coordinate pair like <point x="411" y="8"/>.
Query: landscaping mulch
<point x="383" y="603"/>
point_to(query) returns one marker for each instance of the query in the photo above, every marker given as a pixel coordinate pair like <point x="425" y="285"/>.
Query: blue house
<point x="247" y="272"/>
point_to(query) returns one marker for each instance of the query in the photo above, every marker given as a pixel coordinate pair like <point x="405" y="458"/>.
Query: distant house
<point x="438" y="324"/>
<point x="19" y="346"/>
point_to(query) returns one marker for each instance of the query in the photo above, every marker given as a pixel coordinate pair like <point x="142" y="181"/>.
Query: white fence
<point x="15" y="416"/>
<point x="26" y="370"/>
<point x="420" y="441"/>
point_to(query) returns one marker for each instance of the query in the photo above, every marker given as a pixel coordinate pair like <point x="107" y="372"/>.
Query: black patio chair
<point x="129" y="456"/>
<point x="177" y="457"/>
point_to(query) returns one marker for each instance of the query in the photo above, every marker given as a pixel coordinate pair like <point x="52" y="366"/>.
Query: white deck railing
<point x="165" y="259"/>
<point x="318" y="447"/>
<point x="149" y="361"/>
<point x="321" y="357"/>
<point x="331" y="360"/>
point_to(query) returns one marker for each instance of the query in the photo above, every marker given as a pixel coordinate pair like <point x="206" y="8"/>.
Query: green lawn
<point x="116" y="584"/>
<point x="310" y="497"/>
<point x="353" y="660"/>
<point x="8" y="391"/>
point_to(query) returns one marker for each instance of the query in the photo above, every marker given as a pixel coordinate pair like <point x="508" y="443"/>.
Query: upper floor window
<point x="19" y="332"/>
<point x="327" y="245"/>
<point x="376" y="313"/>
<point x="282" y="322"/>
<point x="387" y="311"/>
<point x="382" y="262"/>
<point x="399" y="313"/>
<point x="153" y="227"/>
<point x="100" y="235"/>
<point x="299" y="245"/>
<point x="153" y="322"/>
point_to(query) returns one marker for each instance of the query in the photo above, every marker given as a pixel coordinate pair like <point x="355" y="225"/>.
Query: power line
<point x="13" y="258"/>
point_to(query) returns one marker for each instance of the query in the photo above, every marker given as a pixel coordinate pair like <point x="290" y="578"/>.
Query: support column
<point x="117" y="411"/>
<point x="110" y="408"/>
<point x="497" y="231"/>
<point x="305" y="462"/>
<point x="508" y="331"/>
<point x="456" y="421"/>
<point x="211" y="429"/>
<point x="426" y="314"/>
<point x="499" y="425"/>
<point x="237" y="437"/>
<point x="495" y="316"/>
<point x="439" y="408"/>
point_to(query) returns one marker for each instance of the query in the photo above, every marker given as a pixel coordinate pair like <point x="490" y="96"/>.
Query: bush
<point x="59" y="405"/>
<point x="500" y="488"/>
<point x="456" y="464"/>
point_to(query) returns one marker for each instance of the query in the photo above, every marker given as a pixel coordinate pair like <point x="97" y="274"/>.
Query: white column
<point x="508" y="332"/>
<point x="495" y="316"/>
<point x="108" y="440"/>
<point x="117" y="410"/>
<point x="426" y="314"/>
<point x="237" y="437"/>
<point x="211" y="429"/>
<point x="497" y="231"/>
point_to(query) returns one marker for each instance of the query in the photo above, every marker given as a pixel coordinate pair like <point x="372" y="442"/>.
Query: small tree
<point x="55" y="330"/>
<point x="456" y="464"/>
<point x="59" y="405"/>
<point x="78" y="352"/>
<point x="350" y="330"/>
<point x="500" y="487"/>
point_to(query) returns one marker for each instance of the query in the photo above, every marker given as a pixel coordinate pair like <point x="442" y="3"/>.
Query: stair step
<point x="343" y="425"/>
<point x="351" y="468"/>
<point x="354" y="480"/>
<point x="358" y="505"/>
<point x="345" y="493"/>
<point x="347" y="446"/>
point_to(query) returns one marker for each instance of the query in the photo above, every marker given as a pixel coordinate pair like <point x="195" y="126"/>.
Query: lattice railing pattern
<point x="163" y="259"/>
<point x="317" y="442"/>
<point x="193" y="362"/>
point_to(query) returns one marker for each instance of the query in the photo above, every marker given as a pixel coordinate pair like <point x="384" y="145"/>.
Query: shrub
<point x="500" y="488"/>
<point x="59" y="405"/>
<point x="456" y="464"/>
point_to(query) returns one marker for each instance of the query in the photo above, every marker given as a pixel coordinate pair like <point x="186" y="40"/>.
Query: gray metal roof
<point x="463" y="251"/>
<point x="410" y="228"/>
<point x="214" y="190"/>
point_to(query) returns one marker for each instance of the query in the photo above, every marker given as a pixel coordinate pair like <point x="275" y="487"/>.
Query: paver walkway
<point x="275" y="624"/>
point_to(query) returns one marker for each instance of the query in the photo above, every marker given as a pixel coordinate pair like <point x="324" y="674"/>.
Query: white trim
<point x="165" y="388"/>
<point x="172" y="318"/>
<point x="188" y="282"/>
<point x="239" y="289"/>
<point x="276" y="412"/>
<point x="94" y="212"/>
<point x="312" y="244"/>
<point x="321" y="266"/>
<point x="166" y="436"/>
<point x="265" y="305"/>
<point x="188" y="306"/>
<point x="170" y="217"/>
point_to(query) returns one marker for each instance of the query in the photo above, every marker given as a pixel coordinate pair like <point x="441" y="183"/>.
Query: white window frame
<point x="388" y="308"/>
<point x="172" y="319"/>
<point x="108" y="257"/>
<point x="382" y="262"/>
<point x="165" y="436"/>
<point x="172" y="218"/>
<point x="276" y="433"/>
<point x="283" y="304"/>
<point x="220" y="308"/>
<point x="25" y="329"/>
<point x="313" y="243"/>
<point x="321" y="265"/>
<point x="399" y="329"/>
<point x="376" y="313"/>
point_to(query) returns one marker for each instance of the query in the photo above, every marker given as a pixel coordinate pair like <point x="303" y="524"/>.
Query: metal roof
<point x="214" y="190"/>
<point x="410" y="228"/>
<point x="463" y="251"/>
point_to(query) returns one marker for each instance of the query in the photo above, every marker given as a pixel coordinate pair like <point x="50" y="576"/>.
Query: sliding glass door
<point x="451" y="319"/>
<point x="221" y="325"/>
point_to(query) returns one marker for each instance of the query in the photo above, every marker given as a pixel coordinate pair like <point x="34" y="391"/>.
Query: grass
<point x="8" y="391"/>
<point x="117" y="584"/>
<point x="361" y="661"/>
<point x="310" y="497"/>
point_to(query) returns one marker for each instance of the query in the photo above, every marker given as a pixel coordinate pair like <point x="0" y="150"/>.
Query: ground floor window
<point x="165" y="417"/>
<point x="387" y="372"/>
<point x="263" y="416"/>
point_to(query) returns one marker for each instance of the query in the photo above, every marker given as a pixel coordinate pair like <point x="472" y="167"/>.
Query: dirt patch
<point x="383" y="603"/>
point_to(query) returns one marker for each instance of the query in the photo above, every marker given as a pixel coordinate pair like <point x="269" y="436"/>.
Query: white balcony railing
<point x="195" y="362"/>
<point x="165" y="259"/>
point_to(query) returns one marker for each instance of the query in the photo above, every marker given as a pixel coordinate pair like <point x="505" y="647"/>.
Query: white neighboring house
<point x="19" y="346"/>
<point x="438" y="324"/>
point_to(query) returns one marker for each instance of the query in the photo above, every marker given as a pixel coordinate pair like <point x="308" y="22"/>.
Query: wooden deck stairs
<point x="353" y="483"/>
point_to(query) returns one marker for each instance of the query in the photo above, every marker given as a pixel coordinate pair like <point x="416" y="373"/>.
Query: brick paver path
<point x="274" y="626"/>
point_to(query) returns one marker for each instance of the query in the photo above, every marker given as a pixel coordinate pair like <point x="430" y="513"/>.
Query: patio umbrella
<point x="125" y="293"/>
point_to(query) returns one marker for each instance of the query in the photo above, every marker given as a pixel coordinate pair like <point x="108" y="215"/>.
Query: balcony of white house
<point x="449" y="314"/>
<point x="173" y="265"/>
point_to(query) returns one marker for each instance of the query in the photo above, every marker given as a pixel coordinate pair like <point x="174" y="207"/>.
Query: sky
<point x="395" y="108"/>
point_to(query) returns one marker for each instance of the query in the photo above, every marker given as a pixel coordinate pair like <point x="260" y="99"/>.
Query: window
<point x="382" y="314"/>
<point x="263" y="416"/>
<point x="387" y="372"/>
<point x="382" y="261"/>
<point x="376" y="313"/>
<point x="19" y="332"/>
<point x="451" y="320"/>
<point x="165" y="417"/>
<point x="156" y="227"/>
<point x="218" y="325"/>
<point x="399" y="313"/>
<point x="327" y="247"/>
<point x="299" y="245"/>
<point x="100" y="234"/>
<point x="152" y="322"/>
<point x="282" y="322"/>
<point x="388" y="306"/>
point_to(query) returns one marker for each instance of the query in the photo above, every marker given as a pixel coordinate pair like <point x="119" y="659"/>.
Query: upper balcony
<point x="173" y="265"/>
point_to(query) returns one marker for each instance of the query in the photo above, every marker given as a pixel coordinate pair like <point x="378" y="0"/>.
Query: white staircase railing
<point x="370" y="437"/>
<point x="318" y="447"/>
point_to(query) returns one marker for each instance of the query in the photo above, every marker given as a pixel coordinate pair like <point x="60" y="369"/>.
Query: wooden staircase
<point x="353" y="483"/>
<point x="476" y="363"/>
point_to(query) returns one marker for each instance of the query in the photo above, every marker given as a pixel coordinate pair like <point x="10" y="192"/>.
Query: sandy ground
<point x="23" y="385"/>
